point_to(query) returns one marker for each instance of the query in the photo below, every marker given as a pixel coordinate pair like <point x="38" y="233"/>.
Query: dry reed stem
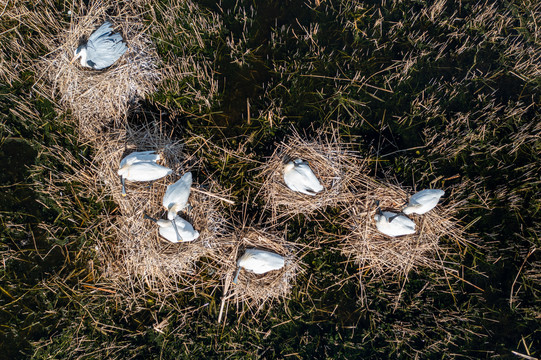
<point x="381" y="255"/>
<point x="140" y="258"/>
<point x="100" y="98"/>
<point x="253" y="291"/>
<point x="332" y="162"/>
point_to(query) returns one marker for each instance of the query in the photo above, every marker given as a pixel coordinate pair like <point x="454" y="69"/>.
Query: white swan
<point x="141" y="166"/>
<point x="259" y="262"/>
<point x="299" y="177"/>
<point x="392" y="224"/>
<point x="176" y="230"/>
<point x="423" y="201"/>
<point x="102" y="49"/>
<point x="176" y="196"/>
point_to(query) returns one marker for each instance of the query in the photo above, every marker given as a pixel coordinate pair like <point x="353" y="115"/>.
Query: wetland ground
<point x="444" y="95"/>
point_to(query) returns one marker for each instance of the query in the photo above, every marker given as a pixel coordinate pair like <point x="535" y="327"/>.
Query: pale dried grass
<point x="252" y="292"/>
<point x="98" y="99"/>
<point x="379" y="255"/>
<point x="334" y="164"/>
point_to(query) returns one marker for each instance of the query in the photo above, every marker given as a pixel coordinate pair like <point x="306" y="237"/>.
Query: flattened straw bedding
<point x="101" y="98"/>
<point x="253" y="291"/>
<point x="141" y="257"/>
<point x="335" y="166"/>
<point x="384" y="255"/>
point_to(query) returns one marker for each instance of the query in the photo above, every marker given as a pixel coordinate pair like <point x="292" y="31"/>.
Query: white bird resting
<point x="259" y="262"/>
<point x="299" y="177"/>
<point x="176" y="230"/>
<point x="423" y="201"/>
<point x="141" y="166"/>
<point x="392" y="224"/>
<point x="102" y="49"/>
<point x="176" y="196"/>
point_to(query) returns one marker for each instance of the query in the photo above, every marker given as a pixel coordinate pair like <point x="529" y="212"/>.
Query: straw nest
<point x="378" y="254"/>
<point x="139" y="255"/>
<point x="100" y="98"/>
<point x="253" y="291"/>
<point x="332" y="162"/>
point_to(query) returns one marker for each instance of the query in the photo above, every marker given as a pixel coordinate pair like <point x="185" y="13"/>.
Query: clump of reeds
<point x="100" y="98"/>
<point x="252" y="291"/>
<point x="333" y="163"/>
<point x="380" y="255"/>
<point x="140" y="258"/>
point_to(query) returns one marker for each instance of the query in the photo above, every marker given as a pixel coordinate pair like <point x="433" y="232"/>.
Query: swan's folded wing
<point x="309" y="178"/>
<point x="104" y="29"/>
<point x="404" y="221"/>
<point x="104" y="48"/>
<point x="179" y="192"/>
<point x="140" y="156"/>
<point x="426" y="196"/>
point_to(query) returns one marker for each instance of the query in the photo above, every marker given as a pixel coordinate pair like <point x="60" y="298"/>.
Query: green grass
<point x="428" y="93"/>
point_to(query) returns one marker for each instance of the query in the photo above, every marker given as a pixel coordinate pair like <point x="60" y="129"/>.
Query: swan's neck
<point x="83" y="57"/>
<point x="173" y="210"/>
<point x="81" y="54"/>
<point x="288" y="167"/>
<point x="123" y="170"/>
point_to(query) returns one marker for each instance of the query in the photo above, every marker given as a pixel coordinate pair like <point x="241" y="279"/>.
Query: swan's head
<point x="123" y="170"/>
<point x="172" y="211"/>
<point x="246" y="256"/>
<point x="290" y="163"/>
<point x="288" y="167"/>
<point x="80" y="53"/>
<point x="408" y="210"/>
<point x="164" y="223"/>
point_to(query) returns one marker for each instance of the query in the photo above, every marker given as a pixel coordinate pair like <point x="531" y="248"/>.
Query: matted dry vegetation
<point x="380" y="255"/>
<point x="99" y="98"/>
<point x="252" y="291"/>
<point x="139" y="258"/>
<point x="334" y="164"/>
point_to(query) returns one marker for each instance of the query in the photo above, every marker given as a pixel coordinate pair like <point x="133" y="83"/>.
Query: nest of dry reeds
<point x="334" y="164"/>
<point x="98" y="99"/>
<point x="380" y="255"/>
<point x="252" y="291"/>
<point x="139" y="257"/>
